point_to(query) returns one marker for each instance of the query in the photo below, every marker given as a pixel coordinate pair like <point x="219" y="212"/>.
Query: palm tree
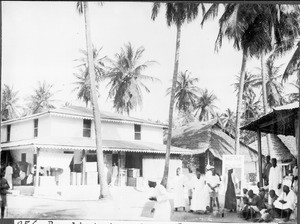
<point x="243" y="24"/>
<point x="252" y="108"/>
<point x="82" y="8"/>
<point x="42" y="98"/>
<point x="274" y="89"/>
<point x="205" y="105"/>
<point x="228" y="119"/>
<point x="126" y="79"/>
<point x="176" y="14"/>
<point x="83" y="82"/>
<point x="185" y="93"/>
<point x="250" y="83"/>
<point x="9" y="103"/>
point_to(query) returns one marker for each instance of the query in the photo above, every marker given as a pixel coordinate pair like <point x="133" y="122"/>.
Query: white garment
<point x="162" y="204"/>
<point x="8" y="176"/>
<point x="200" y="197"/>
<point x="295" y="171"/>
<point x="290" y="198"/>
<point x="213" y="181"/>
<point x="179" y="199"/>
<point x="275" y="178"/>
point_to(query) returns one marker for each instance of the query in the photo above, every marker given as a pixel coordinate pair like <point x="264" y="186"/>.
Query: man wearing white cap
<point x="213" y="183"/>
<point x="286" y="202"/>
<point x="275" y="177"/>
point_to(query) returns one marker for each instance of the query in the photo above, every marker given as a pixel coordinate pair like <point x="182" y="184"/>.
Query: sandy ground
<point x="125" y="204"/>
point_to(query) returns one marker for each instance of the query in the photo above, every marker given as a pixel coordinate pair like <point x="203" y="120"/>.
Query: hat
<point x="209" y="167"/>
<point x="287" y="182"/>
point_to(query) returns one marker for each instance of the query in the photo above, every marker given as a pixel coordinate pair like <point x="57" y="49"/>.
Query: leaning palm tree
<point x="205" y="105"/>
<point x="126" y="79"/>
<point x="176" y="14"/>
<point x="186" y="93"/>
<point x="9" y="103"/>
<point x="83" y="8"/>
<point x="83" y="83"/>
<point x="42" y="98"/>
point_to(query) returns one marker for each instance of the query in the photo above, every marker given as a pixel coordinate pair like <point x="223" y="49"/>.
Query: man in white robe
<point x="200" y="200"/>
<point x="179" y="199"/>
<point x="286" y="202"/>
<point x="275" y="177"/>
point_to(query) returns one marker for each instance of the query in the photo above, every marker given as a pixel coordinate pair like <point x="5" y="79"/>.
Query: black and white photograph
<point x="150" y="112"/>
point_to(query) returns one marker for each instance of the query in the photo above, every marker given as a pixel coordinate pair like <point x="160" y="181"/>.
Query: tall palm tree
<point x="9" y="103"/>
<point x="126" y="79"/>
<point x="82" y="76"/>
<point x="186" y="93"/>
<point x="176" y="14"/>
<point x="243" y="24"/>
<point x="274" y="89"/>
<point x="42" y="98"/>
<point x="83" y="8"/>
<point x="205" y="105"/>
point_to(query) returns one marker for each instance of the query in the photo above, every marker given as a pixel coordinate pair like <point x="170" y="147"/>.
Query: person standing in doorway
<point x="230" y="196"/>
<point x="8" y="174"/>
<point x="275" y="178"/>
<point x="179" y="200"/>
<point x="4" y="186"/>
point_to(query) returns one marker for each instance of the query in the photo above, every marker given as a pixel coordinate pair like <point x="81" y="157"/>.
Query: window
<point x="137" y="132"/>
<point x="36" y="127"/>
<point x="23" y="157"/>
<point x="87" y="128"/>
<point x="8" y="127"/>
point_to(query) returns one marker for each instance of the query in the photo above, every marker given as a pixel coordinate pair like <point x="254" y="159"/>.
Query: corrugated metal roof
<point x="89" y="144"/>
<point x="202" y="136"/>
<point x="82" y="112"/>
<point x="280" y="121"/>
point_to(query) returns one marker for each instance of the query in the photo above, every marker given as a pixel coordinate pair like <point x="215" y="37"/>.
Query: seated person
<point x="273" y="197"/>
<point x="286" y="202"/>
<point x="255" y="204"/>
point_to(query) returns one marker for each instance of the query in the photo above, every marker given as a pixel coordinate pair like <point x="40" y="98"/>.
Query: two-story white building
<point x="61" y="143"/>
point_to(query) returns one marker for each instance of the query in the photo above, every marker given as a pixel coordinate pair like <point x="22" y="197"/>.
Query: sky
<point x="41" y="41"/>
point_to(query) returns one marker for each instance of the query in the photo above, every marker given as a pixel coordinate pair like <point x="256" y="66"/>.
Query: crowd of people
<point x="211" y="193"/>
<point x="276" y="196"/>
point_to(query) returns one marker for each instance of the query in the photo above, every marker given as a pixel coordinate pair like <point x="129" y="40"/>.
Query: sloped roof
<point x="202" y="136"/>
<point x="280" y="121"/>
<point x="82" y="112"/>
<point x="279" y="146"/>
<point x="89" y="144"/>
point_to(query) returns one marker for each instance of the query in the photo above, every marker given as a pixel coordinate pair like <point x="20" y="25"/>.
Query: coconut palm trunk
<point x="264" y="93"/>
<point x="94" y="102"/>
<point x="239" y="103"/>
<point x="171" y="108"/>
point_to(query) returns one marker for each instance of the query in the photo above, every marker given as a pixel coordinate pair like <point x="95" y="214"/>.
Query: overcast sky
<point x="41" y="40"/>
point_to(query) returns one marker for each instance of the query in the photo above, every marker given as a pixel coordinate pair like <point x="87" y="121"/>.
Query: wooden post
<point x="259" y="157"/>
<point x="119" y="165"/>
<point x="297" y="131"/>
<point x="83" y="168"/>
<point x="37" y="170"/>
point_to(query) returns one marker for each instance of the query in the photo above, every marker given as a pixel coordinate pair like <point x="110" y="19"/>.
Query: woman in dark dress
<point x="230" y="196"/>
